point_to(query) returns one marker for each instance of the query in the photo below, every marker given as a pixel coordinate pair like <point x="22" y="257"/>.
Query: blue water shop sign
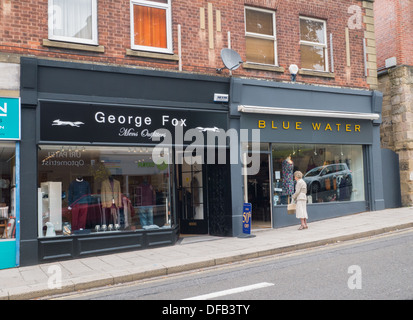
<point x="10" y="119"/>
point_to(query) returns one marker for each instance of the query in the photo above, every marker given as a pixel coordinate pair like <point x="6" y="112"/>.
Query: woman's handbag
<point x="291" y="208"/>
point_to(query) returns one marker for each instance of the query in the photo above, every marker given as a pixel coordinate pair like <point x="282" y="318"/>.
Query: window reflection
<point x="260" y="36"/>
<point x="313" y="44"/>
<point x="332" y="172"/>
<point x="100" y="189"/>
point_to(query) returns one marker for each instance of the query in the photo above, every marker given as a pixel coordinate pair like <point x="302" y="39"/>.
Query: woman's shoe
<point x="301" y="228"/>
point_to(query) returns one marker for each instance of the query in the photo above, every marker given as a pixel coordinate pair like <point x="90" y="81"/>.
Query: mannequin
<point x="148" y="201"/>
<point x="111" y="198"/>
<point x="78" y="202"/>
<point x="50" y="230"/>
<point x="287" y="175"/>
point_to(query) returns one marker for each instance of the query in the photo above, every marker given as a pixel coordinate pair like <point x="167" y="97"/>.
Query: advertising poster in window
<point x="9" y="118"/>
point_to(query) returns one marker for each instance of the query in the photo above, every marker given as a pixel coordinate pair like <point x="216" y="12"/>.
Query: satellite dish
<point x="231" y="59"/>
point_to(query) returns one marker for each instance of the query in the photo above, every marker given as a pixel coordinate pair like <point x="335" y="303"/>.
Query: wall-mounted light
<point x="293" y="71"/>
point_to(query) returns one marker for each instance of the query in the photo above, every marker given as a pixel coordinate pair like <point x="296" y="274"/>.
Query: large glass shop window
<point x="84" y="189"/>
<point x="332" y="172"/>
<point x="7" y="190"/>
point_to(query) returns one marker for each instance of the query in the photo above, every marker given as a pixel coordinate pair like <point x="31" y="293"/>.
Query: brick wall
<point x="394" y="31"/>
<point x="23" y="31"/>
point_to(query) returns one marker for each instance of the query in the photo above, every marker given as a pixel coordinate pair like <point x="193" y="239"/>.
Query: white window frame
<point x="317" y="44"/>
<point x="158" y="5"/>
<point x="263" y="36"/>
<point x="52" y="36"/>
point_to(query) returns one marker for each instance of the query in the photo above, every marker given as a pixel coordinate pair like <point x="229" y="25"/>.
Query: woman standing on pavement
<point x="300" y="197"/>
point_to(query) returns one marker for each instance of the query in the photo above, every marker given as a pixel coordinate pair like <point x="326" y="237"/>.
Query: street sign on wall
<point x="10" y="118"/>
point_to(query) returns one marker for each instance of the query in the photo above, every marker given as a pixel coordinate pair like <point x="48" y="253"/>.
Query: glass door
<point x="191" y="193"/>
<point x="259" y="191"/>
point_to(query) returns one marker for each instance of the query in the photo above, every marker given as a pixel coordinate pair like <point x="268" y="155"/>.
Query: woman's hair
<point x="298" y="174"/>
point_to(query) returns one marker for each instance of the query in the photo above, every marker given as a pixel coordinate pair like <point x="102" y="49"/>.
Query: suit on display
<point x="78" y="202"/>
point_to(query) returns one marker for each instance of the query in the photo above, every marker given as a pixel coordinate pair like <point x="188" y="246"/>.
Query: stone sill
<point x="73" y="46"/>
<point x="252" y="66"/>
<point x="144" y="54"/>
<point x="10" y="93"/>
<point x="315" y="73"/>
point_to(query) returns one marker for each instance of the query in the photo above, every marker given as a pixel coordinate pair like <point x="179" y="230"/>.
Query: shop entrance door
<point x="191" y="199"/>
<point x="259" y="194"/>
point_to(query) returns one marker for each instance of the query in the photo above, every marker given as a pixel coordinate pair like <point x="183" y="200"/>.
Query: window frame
<point x="168" y="8"/>
<point x="67" y="172"/>
<point x="262" y="36"/>
<point x="317" y="44"/>
<point x="52" y="36"/>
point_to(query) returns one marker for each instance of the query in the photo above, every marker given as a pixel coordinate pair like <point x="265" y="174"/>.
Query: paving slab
<point x="192" y="253"/>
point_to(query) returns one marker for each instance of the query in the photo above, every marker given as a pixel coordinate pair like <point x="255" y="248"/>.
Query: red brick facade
<point x="394" y="31"/>
<point x="24" y="27"/>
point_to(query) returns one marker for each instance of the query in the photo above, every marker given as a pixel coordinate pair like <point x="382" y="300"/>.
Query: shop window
<point x="86" y="189"/>
<point x="7" y="191"/>
<point x="151" y="28"/>
<point x="260" y="36"/>
<point x="332" y="172"/>
<point x="73" y="21"/>
<point x="313" y="44"/>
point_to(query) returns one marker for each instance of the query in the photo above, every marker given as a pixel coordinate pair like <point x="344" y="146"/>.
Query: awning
<point x="308" y="112"/>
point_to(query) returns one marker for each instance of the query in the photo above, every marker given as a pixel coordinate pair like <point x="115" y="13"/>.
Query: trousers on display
<point x="146" y="215"/>
<point x="79" y="216"/>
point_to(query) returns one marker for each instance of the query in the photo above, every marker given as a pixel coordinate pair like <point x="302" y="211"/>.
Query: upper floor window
<point x="313" y="44"/>
<point x="151" y="27"/>
<point x="73" y="21"/>
<point x="260" y="36"/>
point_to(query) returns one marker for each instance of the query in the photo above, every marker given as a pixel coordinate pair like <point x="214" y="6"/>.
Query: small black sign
<point x="66" y="122"/>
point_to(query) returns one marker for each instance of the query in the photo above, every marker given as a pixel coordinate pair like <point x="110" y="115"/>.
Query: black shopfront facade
<point x="104" y="159"/>
<point x="329" y="134"/>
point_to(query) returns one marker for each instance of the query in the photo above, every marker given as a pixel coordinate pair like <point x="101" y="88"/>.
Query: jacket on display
<point x="111" y="194"/>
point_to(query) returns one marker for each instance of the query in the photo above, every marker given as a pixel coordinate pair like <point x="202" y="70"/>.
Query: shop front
<point x="328" y="134"/>
<point x="116" y="174"/>
<point x="9" y="182"/>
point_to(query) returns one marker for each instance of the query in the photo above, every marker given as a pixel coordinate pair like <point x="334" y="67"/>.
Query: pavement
<point x="191" y="253"/>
